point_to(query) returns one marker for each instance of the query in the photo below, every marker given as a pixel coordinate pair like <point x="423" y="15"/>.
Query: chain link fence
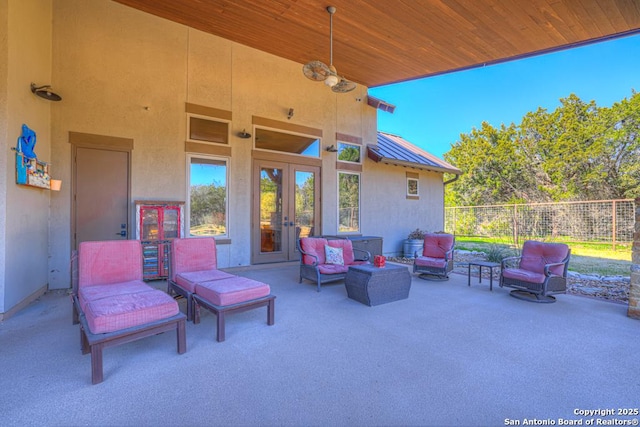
<point x="597" y="221"/>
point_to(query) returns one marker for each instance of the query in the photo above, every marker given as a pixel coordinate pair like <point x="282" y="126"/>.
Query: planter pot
<point x="410" y="246"/>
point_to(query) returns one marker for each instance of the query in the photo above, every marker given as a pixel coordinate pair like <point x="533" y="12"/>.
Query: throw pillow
<point x="333" y="255"/>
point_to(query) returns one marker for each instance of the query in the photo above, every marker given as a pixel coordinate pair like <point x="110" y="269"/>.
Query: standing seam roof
<point x="396" y="150"/>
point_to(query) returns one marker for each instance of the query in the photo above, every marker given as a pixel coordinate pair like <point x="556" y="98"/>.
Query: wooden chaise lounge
<point x="114" y="306"/>
<point x="194" y="274"/>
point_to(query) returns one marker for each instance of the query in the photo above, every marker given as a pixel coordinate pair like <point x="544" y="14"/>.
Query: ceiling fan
<point x="318" y="71"/>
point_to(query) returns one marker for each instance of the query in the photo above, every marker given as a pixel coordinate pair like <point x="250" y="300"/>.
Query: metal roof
<point x="394" y="150"/>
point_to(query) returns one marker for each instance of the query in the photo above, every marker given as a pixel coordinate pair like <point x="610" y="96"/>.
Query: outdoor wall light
<point x="45" y="92"/>
<point x="290" y="114"/>
<point x="244" y="134"/>
<point x="331" y="149"/>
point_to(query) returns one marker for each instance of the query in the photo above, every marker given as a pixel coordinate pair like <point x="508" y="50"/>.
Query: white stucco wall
<point x="384" y="189"/>
<point x="27" y="209"/>
<point x="111" y="61"/>
<point x="124" y="73"/>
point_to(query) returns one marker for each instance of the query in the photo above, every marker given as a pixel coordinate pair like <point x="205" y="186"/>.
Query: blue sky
<point x="432" y="112"/>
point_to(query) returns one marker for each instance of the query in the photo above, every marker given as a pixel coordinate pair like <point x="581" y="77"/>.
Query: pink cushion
<point x="436" y="245"/>
<point x="188" y="280"/>
<point x="536" y="254"/>
<point x="127" y="310"/>
<point x="107" y="262"/>
<point x="523" y="275"/>
<point x="347" y="249"/>
<point x="232" y="291"/>
<point x="332" y="268"/>
<point x="194" y="254"/>
<point x="313" y="246"/>
<point x="91" y="293"/>
<point x="431" y="262"/>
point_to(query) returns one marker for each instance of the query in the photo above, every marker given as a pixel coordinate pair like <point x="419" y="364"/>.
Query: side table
<point x="377" y="285"/>
<point x="480" y="265"/>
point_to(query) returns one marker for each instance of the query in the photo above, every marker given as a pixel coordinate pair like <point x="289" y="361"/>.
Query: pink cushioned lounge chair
<point x="436" y="260"/>
<point x="540" y="272"/>
<point x="112" y="303"/>
<point x="194" y="274"/>
<point x="193" y="261"/>
<point x="313" y="263"/>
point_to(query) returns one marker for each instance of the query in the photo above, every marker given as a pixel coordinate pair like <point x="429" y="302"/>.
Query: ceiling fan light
<point x="331" y="80"/>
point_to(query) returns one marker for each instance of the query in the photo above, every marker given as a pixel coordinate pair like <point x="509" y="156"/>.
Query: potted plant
<point x="414" y="242"/>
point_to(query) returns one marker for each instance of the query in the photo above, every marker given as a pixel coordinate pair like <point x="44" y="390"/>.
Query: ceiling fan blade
<point x="316" y="70"/>
<point x="344" y="86"/>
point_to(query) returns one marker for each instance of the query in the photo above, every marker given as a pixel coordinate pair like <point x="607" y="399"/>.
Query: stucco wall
<point x="4" y="60"/>
<point x="28" y="47"/>
<point x="111" y="61"/>
<point x="390" y="214"/>
<point x="124" y="73"/>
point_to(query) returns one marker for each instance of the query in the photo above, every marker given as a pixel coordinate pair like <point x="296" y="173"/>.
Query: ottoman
<point x="373" y="285"/>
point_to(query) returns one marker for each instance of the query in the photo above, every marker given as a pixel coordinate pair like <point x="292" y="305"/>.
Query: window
<point x="208" y="196"/>
<point x="308" y="146"/>
<point x="348" y="202"/>
<point x="349" y="152"/>
<point x="203" y="129"/>
<point x="412" y="187"/>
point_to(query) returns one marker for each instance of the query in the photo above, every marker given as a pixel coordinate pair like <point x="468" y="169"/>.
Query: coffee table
<point x="480" y="265"/>
<point x="378" y="285"/>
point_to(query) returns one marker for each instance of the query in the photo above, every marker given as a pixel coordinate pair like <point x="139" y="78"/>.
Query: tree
<point x="577" y="152"/>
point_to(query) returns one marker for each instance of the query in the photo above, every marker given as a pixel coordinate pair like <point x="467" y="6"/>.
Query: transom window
<point x="349" y="152"/>
<point x="204" y="129"/>
<point x="292" y="143"/>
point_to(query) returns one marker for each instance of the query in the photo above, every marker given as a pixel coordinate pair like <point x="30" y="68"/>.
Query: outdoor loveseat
<point x="315" y="266"/>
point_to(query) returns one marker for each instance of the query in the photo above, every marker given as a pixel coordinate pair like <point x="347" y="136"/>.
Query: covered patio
<point x="448" y="355"/>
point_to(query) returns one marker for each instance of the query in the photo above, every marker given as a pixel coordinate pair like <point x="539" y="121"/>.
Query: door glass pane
<point x="349" y="202"/>
<point x="304" y="202"/>
<point x="270" y="210"/>
<point x="170" y="223"/>
<point x="208" y="197"/>
<point x="150" y="224"/>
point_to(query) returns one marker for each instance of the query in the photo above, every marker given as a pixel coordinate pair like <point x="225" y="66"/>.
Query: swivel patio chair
<point x="538" y="273"/>
<point x="436" y="260"/>
<point x="112" y="303"/>
<point x="314" y="265"/>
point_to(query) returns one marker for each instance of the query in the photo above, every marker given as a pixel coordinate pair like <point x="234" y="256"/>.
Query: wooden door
<point x="100" y="200"/>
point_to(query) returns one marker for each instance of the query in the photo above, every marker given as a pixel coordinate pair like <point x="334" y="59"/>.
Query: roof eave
<point x="376" y="157"/>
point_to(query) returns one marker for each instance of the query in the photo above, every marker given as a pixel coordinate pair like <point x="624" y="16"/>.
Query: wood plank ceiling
<point x="377" y="42"/>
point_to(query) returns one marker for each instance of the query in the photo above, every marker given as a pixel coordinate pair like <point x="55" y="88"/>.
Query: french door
<point x="286" y="207"/>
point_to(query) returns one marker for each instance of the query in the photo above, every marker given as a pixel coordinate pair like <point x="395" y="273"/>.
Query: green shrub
<point x="496" y="253"/>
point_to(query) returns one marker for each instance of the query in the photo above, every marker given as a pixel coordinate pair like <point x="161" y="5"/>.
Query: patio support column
<point x="634" y="291"/>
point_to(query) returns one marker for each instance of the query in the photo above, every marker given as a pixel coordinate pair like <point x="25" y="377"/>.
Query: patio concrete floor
<point x="448" y="355"/>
